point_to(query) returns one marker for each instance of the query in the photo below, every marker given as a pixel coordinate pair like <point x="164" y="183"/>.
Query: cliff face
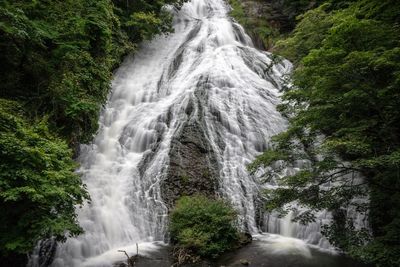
<point x="266" y="21"/>
<point x="193" y="168"/>
<point x="273" y="12"/>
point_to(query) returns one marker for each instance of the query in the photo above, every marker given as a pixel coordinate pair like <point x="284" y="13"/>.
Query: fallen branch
<point x="131" y="260"/>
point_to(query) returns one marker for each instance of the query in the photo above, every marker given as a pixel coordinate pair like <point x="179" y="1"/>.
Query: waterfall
<point x="232" y="88"/>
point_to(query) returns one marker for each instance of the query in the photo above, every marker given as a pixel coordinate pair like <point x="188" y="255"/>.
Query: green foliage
<point x="344" y="119"/>
<point x="145" y="25"/>
<point x="238" y="12"/>
<point x="142" y="19"/>
<point x="256" y="27"/>
<point x="271" y="21"/>
<point x="58" y="56"/>
<point x="308" y="35"/>
<point x="203" y="226"/>
<point x="38" y="186"/>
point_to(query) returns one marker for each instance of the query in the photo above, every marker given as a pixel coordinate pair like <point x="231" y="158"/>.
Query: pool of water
<point x="278" y="251"/>
<point x="267" y="250"/>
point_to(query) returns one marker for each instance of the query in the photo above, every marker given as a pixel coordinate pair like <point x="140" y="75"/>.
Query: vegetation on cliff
<point x="57" y="61"/>
<point x="260" y="29"/>
<point x="201" y="226"/>
<point x="268" y="21"/>
<point x="344" y="119"/>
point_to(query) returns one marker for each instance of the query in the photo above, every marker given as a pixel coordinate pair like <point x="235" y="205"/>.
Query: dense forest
<point x="342" y="103"/>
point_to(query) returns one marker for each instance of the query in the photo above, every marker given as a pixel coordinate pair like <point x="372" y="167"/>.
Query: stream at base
<point x="266" y="250"/>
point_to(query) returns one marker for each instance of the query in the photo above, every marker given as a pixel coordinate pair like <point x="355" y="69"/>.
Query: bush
<point x="203" y="226"/>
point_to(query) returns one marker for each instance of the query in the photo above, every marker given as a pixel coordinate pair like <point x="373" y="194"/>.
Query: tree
<point x="38" y="186"/>
<point x="344" y="119"/>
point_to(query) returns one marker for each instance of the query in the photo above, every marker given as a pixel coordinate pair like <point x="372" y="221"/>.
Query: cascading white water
<point x="208" y="60"/>
<point x="311" y="232"/>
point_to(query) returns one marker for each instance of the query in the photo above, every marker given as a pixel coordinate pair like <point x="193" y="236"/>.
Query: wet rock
<point x="245" y="262"/>
<point x="120" y="264"/>
<point x="43" y="254"/>
<point x="47" y="251"/>
<point x="244" y="239"/>
<point x="193" y="167"/>
<point x="275" y="13"/>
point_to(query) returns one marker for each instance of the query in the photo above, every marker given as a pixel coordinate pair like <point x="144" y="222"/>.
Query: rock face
<point x="193" y="168"/>
<point x="271" y="11"/>
<point x="277" y="14"/>
<point x="262" y="21"/>
<point x="45" y="253"/>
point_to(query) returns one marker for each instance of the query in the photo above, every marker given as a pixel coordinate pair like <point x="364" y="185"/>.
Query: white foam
<point x="281" y="245"/>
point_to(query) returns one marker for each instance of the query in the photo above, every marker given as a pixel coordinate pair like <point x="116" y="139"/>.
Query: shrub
<point x="203" y="226"/>
<point x="38" y="187"/>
